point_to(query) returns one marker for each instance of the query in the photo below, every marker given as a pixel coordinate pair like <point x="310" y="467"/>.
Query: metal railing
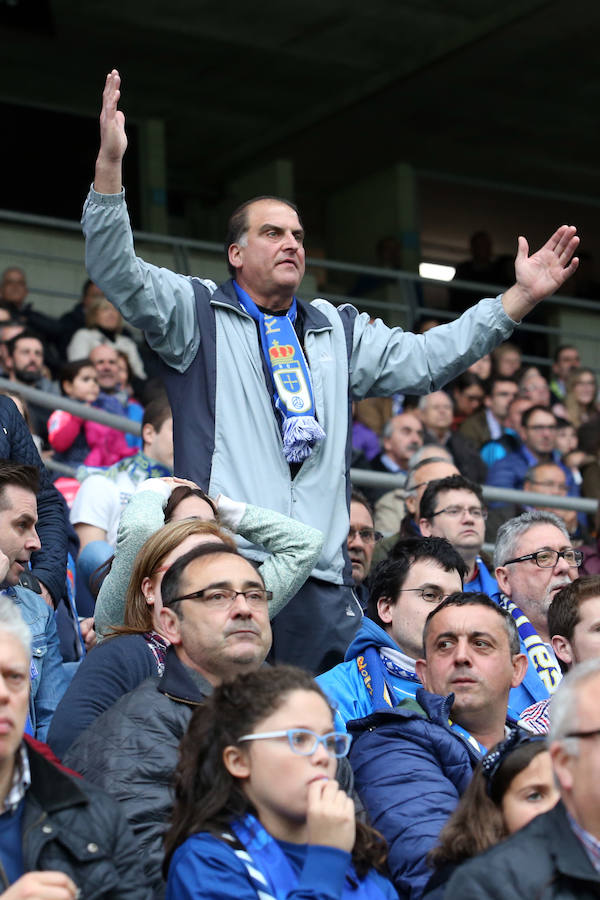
<point x="407" y="303"/>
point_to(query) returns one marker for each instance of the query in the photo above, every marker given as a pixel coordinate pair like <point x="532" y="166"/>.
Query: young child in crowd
<point x="76" y="440"/>
<point x="258" y="811"/>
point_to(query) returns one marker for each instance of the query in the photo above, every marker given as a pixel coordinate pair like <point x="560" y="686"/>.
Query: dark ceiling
<point x="507" y="92"/>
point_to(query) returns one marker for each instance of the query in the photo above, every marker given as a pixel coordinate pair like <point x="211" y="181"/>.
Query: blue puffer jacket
<point x="349" y="687"/>
<point x="410" y="770"/>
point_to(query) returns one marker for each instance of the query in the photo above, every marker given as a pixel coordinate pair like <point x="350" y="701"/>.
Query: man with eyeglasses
<point x="558" y="854"/>
<point x="362" y="538"/>
<point x="379" y="668"/>
<point x="453" y="508"/>
<point x="216" y="619"/>
<point x="533" y="560"/>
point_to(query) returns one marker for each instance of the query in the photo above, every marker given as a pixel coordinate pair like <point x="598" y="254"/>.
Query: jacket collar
<point x="569" y="853"/>
<point x="314" y="320"/>
<point x="179" y="683"/>
<point x="51" y="786"/>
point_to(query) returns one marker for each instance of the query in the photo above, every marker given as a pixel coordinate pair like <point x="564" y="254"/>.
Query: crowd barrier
<point x="182" y="252"/>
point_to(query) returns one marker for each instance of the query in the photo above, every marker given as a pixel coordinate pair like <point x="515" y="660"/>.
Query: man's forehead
<point x="16" y="496"/>
<point x="219" y="567"/>
<point x="429" y="570"/>
<point x="102" y="354"/>
<point x="550" y="471"/>
<point x="360" y="515"/>
<point x="456" y="497"/>
<point x="273" y="212"/>
<point x="539" y="537"/>
<point x="466" y="620"/>
<point x="408" y="420"/>
<point x="433" y="471"/>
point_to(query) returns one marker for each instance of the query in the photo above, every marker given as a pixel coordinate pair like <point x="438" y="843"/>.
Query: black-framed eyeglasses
<point x="429" y="594"/>
<point x="476" y="512"/>
<point x="304" y="742"/>
<point x="223" y="598"/>
<point x="547" y="559"/>
<point x="368" y="535"/>
<point x="541" y="427"/>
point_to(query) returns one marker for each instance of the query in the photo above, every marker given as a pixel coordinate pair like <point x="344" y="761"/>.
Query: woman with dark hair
<point x="258" y="812"/>
<point x="291" y="548"/>
<point x="510" y="786"/>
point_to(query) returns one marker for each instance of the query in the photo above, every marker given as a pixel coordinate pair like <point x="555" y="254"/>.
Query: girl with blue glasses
<point x="258" y="810"/>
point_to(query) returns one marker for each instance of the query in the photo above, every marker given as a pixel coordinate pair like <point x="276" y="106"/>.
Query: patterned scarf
<point x="290" y="378"/>
<point x="537" y="651"/>
<point x="158" y="646"/>
<point x="138" y="468"/>
<point x="269" y="870"/>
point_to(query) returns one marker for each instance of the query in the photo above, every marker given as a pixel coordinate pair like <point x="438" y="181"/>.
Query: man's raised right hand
<point x="113" y="140"/>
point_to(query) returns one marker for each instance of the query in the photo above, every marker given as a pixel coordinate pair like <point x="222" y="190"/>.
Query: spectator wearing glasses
<point x="452" y="508"/>
<point x="533" y="560"/>
<point x="379" y="668"/>
<point x="397" y="512"/>
<point x="574" y="626"/>
<point x="215" y="617"/>
<point x="539" y="445"/>
<point x="556" y="855"/>
<point x="258" y="811"/>
<point x="412" y="763"/>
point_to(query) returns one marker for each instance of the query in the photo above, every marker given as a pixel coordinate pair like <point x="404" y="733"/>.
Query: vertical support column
<point x="382" y="205"/>
<point x="153" y="176"/>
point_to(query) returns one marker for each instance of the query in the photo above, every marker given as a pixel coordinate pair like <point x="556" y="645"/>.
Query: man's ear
<point x="236" y="762"/>
<point x="410" y="503"/>
<point x="520" y="662"/>
<point x="502" y="579"/>
<point x="234" y="255"/>
<point x="384" y="609"/>
<point x="425" y="527"/>
<point x="563" y="649"/>
<point x="421" y="670"/>
<point x="561" y="763"/>
<point x="171" y="625"/>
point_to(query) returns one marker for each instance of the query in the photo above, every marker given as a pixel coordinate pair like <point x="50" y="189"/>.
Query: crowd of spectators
<point x="225" y="670"/>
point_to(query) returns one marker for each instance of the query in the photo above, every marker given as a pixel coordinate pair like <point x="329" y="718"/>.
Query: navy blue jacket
<point x="50" y="563"/>
<point x="410" y="770"/>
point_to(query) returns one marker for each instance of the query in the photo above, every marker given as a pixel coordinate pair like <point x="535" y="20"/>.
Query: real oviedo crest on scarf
<point x="290" y="381"/>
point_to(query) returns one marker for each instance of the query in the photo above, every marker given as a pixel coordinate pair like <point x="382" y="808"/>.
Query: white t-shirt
<point x="100" y="502"/>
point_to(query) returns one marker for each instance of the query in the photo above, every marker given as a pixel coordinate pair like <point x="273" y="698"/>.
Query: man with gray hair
<point x="59" y="837"/>
<point x="558" y="853"/>
<point x="533" y="559"/>
<point x="402" y="437"/>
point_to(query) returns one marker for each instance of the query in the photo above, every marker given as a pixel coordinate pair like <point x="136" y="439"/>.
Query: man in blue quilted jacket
<point x="412" y="763"/>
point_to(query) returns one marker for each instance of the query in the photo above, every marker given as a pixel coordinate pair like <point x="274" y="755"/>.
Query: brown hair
<point x="563" y="613"/>
<point x="138" y="615"/>
<point x="477" y="823"/>
<point x="207" y="796"/>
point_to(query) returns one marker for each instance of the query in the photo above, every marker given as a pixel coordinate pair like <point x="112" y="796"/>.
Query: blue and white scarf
<point x="541" y="658"/>
<point x="290" y="378"/>
<point x="270" y="872"/>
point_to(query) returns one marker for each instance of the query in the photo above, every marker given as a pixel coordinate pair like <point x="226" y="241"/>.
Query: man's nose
<point x="33" y="542"/>
<point x="240" y="606"/>
<point x="462" y="653"/>
<point x="561" y="565"/>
